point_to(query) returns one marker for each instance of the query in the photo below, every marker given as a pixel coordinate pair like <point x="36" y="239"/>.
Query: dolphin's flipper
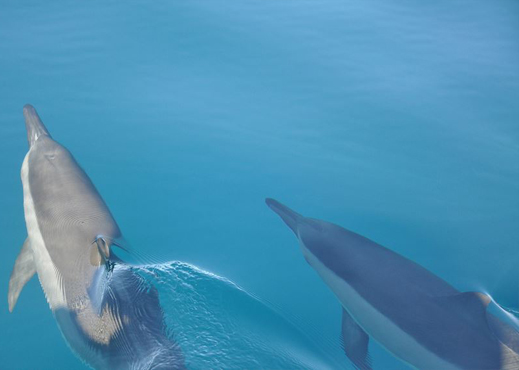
<point x="355" y="342"/>
<point x="24" y="269"/>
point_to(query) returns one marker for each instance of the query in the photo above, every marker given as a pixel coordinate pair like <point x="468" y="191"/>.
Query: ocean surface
<point x="398" y="120"/>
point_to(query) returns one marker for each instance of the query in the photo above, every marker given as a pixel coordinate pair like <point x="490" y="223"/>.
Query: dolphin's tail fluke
<point x="33" y="124"/>
<point x="290" y="217"/>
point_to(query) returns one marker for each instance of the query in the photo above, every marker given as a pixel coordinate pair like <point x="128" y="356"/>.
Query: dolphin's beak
<point x="290" y="217"/>
<point x="33" y="124"/>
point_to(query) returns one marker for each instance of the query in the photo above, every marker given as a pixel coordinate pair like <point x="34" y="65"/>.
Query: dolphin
<point x="109" y="315"/>
<point x="414" y="314"/>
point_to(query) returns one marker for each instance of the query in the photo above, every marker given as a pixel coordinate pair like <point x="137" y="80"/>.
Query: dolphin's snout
<point x="290" y="217"/>
<point x="33" y="124"/>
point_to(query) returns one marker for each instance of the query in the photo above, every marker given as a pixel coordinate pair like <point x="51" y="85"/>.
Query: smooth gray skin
<point x="112" y="318"/>
<point x="453" y="325"/>
<point x="71" y="213"/>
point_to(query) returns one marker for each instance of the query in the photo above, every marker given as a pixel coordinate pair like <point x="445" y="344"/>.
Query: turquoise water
<point x="397" y="120"/>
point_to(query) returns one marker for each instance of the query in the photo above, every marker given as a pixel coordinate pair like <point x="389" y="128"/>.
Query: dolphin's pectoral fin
<point x="24" y="269"/>
<point x="355" y="342"/>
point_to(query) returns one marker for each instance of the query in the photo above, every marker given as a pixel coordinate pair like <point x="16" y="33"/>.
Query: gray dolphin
<point x="107" y="313"/>
<point x="414" y="314"/>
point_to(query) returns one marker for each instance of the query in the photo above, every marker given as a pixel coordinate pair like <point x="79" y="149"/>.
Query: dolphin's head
<point x="48" y="157"/>
<point x="73" y="218"/>
<point x="34" y="125"/>
<point x="311" y="233"/>
<point x="290" y="217"/>
<point x="320" y="240"/>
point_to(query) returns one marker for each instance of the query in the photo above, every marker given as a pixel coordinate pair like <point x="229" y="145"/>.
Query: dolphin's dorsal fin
<point x="24" y="269"/>
<point x="471" y="305"/>
<point x="468" y="300"/>
<point x="355" y="342"/>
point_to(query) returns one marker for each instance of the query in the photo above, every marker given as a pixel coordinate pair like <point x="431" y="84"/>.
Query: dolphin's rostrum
<point x="413" y="313"/>
<point x="108" y="314"/>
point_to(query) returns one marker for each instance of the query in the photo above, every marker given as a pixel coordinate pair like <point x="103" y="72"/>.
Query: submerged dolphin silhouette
<point x="108" y="314"/>
<point x="413" y="313"/>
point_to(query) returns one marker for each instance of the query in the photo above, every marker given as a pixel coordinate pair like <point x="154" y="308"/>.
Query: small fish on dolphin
<point x="414" y="314"/>
<point x="109" y="315"/>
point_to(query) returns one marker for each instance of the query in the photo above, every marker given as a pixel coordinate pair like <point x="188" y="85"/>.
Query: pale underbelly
<point x="48" y="275"/>
<point x="378" y="326"/>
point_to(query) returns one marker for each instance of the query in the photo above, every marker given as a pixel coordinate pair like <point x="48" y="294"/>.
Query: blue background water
<point x="398" y="120"/>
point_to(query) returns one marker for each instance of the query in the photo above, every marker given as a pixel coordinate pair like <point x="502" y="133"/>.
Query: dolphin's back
<point x="69" y="211"/>
<point x="349" y="254"/>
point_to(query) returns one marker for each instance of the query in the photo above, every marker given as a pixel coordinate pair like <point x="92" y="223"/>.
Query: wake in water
<point x="213" y="323"/>
<point x="218" y="325"/>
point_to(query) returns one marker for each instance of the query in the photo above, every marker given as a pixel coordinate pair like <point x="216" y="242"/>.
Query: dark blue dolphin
<point x="413" y="313"/>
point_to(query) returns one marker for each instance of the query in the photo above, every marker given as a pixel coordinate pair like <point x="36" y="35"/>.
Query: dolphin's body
<point x="414" y="314"/>
<point x="108" y="314"/>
